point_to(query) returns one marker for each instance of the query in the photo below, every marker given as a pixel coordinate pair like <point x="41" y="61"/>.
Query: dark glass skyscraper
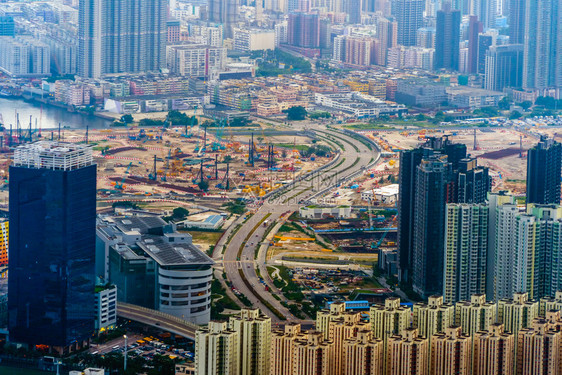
<point x="474" y="28"/>
<point x="472" y="182"/>
<point x="543" y="172"/>
<point x="433" y="189"/>
<point x="409" y="162"/>
<point x="52" y="244"/>
<point x="504" y="67"/>
<point x="410" y="198"/>
<point x="447" y="38"/>
<point x="516" y="21"/>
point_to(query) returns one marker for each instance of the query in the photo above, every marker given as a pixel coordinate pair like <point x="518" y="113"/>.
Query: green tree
<point x="150" y="122"/>
<point x="127" y="119"/>
<point x="296" y="113"/>
<point x="504" y="103"/>
<point x="238" y="206"/>
<point x="486" y="112"/>
<point x="180" y="213"/>
<point x="239" y="122"/>
<point x="420" y="117"/>
<point x="178" y="118"/>
<point x="526" y="105"/>
<point x="439" y="117"/>
<point x="514" y="115"/>
<point x="125" y="204"/>
<point x="203" y="185"/>
<point x="162" y="365"/>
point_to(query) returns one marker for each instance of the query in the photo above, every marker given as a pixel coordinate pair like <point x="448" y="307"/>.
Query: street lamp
<point x="125" y="355"/>
<point x="58" y="362"/>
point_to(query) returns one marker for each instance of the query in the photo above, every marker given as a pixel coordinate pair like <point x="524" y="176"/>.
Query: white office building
<point x="106" y="307"/>
<point x="254" y="40"/>
<point x="195" y="60"/>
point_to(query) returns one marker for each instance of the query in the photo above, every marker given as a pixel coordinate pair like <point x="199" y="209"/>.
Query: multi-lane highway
<point x="354" y="156"/>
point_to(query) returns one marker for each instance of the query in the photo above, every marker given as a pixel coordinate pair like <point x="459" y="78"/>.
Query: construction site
<point x="190" y="160"/>
<point x="503" y="150"/>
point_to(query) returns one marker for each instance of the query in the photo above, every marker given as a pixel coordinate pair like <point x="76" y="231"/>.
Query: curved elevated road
<point x="166" y="322"/>
<point x="354" y="157"/>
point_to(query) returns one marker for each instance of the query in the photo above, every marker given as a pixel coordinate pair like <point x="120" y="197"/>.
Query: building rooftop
<point x="53" y="155"/>
<point x="213" y="219"/>
<point x="473" y="91"/>
<point x="141" y="224"/>
<point x="170" y="254"/>
<point x="155" y="237"/>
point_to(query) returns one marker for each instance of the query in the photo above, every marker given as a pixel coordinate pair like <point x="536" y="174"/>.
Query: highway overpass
<point x="157" y="319"/>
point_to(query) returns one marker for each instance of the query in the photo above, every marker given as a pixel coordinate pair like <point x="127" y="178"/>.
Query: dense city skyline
<point x="281" y="187"/>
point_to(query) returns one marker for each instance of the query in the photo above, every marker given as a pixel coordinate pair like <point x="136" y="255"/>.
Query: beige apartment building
<point x="433" y="317"/>
<point x="494" y="352"/>
<point x="451" y="352"/>
<point x="407" y="354"/>
<point x="475" y="315"/>
<point x="517" y="313"/>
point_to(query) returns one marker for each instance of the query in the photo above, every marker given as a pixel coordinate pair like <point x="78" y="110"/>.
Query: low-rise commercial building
<point x="154" y="266"/>
<point x="359" y="105"/>
<point x="420" y="92"/>
<point x="472" y="98"/>
<point x="313" y="212"/>
<point x="72" y="93"/>
<point x="210" y="222"/>
<point x="106" y="307"/>
<point x="386" y="194"/>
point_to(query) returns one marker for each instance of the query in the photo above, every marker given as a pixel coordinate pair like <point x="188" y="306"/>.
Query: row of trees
<point x="279" y="62"/>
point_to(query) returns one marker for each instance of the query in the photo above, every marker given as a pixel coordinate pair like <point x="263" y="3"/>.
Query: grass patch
<point x="210" y="237"/>
<point x="367" y="127"/>
<point x="270" y="271"/>
<point x="285" y="228"/>
<point x="219" y="305"/>
<point x="292" y="146"/>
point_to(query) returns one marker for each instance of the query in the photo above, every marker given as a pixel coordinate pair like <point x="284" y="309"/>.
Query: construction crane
<point x="154" y="175"/>
<point x="119" y="185"/>
<point x="388" y="228"/>
<point x="189" y="133"/>
<point x="216" y="145"/>
<point x="200" y="150"/>
<point x="225" y="182"/>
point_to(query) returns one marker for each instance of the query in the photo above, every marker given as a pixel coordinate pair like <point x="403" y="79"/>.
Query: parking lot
<point x="140" y="345"/>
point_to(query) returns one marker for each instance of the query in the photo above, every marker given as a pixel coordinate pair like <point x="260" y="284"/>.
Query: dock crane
<point x="119" y="185"/>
